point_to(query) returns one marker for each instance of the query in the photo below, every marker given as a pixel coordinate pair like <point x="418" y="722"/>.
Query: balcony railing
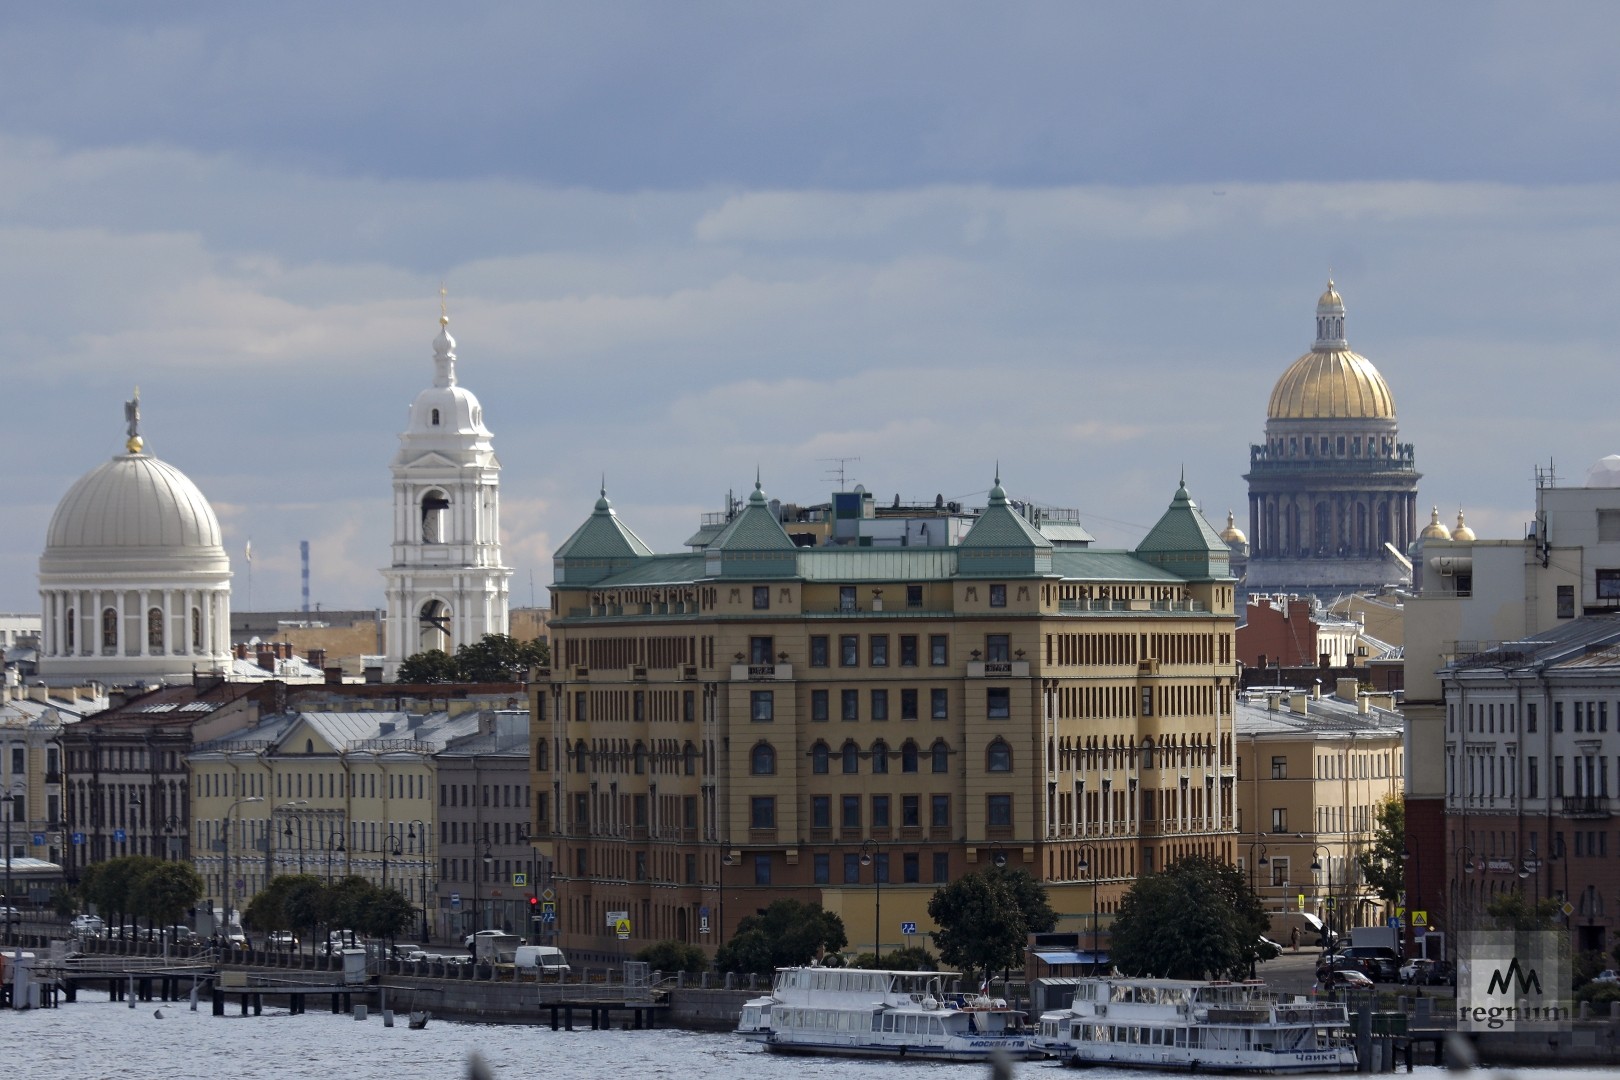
<point x="1586" y="806"/>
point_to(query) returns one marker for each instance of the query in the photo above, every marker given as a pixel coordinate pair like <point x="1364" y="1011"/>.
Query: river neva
<point x="96" y="1038"/>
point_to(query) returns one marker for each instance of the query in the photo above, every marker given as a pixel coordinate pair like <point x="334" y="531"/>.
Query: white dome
<point x="1605" y="474"/>
<point x="132" y="506"/>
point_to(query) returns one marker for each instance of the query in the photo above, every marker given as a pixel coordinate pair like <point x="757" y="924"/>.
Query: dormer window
<point x="435" y="417"/>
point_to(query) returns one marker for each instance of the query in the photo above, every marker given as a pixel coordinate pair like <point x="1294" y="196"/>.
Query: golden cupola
<point x="1434" y="530"/>
<point x="1462" y="531"/>
<point x="1232" y="534"/>
<point x="1330" y="382"/>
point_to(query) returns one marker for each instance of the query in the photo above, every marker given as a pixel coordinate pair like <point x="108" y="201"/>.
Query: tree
<point x="674" y="956"/>
<point x="909" y="958"/>
<point x="1196" y="919"/>
<point x="1512" y="911"/>
<point x="492" y="658"/>
<point x="786" y="934"/>
<point x="1382" y="864"/>
<point x="986" y="918"/>
<point x="110" y="885"/>
<point x="165" y="892"/>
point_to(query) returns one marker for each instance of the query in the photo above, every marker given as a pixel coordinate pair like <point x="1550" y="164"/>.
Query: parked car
<point x="284" y="940"/>
<point x="1266" y="949"/>
<point x="1379" y="962"/>
<point x="88" y="925"/>
<point x="10" y="914"/>
<point x="338" y="940"/>
<point x="1607" y="975"/>
<point x="1415" y="972"/>
<point x="1442" y="973"/>
<point x="407" y="954"/>
<point x="1345" y="979"/>
<point x="181" y="935"/>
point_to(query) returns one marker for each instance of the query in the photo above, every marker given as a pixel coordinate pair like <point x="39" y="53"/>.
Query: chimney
<point x="116" y="699"/>
<point x="334" y="675"/>
<point x="37" y="692"/>
<point x="266" y="656"/>
<point x="1364" y="704"/>
<point x="317" y="658"/>
<point x="1299" y="703"/>
<point x="374" y="674"/>
<point x="1346" y="689"/>
<point x="240" y="648"/>
<point x="1273" y="702"/>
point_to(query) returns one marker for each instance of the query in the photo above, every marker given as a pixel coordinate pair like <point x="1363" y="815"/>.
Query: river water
<point x="96" y="1038"/>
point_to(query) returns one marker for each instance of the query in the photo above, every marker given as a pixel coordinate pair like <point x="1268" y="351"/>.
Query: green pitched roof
<point x="601" y="546"/>
<point x="1185" y="543"/>
<point x="1003" y="542"/>
<point x="755" y="529"/>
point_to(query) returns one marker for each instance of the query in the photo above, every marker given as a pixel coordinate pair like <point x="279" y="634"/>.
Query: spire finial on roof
<point x="444" y="308"/>
<point x="602" y="504"/>
<point x="132" y="418"/>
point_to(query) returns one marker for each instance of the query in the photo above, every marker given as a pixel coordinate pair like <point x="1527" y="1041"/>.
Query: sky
<point x="685" y="242"/>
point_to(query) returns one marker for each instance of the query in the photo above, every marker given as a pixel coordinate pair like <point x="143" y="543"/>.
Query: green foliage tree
<point x="303" y="905"/>
<point x="1196" y="919"/>
<point x="110" y="885"/>
<point x="669" y="956"/>
<point x="165" y="892"/>
<point x="492" y="658"/>
<point x="1512" y="911"/>
<point x="909" y="958"/>
<point x="1381" y="864"/>
<point x="789" y="933"/>
<point x="984" y="919"/>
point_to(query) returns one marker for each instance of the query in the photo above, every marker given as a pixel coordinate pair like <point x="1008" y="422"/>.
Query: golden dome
<point x="1232" y="534"/>
<point x="1462" y="531"/>
<point x="1434" y="530"/>
<point x="1330" y="299"/>
<point x="1331" y="384"/>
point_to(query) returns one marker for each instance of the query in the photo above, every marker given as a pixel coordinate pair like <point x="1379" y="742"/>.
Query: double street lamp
<point x="411" y="835"/>
<point x="225" y="852"/>
<point x="391" y="845"/>
<point x="334" y="844"/>
<point x="1087" y="865"/>
<point x="879" y="863"/>
<point x="11" y="806"/>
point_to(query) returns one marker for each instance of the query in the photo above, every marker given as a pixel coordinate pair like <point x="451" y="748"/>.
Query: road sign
<point x="78" y="838"/>
<point x="1420" y="919"/>
<point x="455" y="901"/>
<point x="703" y="922"/>
<point x="520" y="878"/>
<point x="1569" y="908"/>
<point x="549" y="907"/>
<point x="118" y="836"/>
<point x="39" y="839"/>
<point x="622" y="928"/>
<point x="616" y="917"/>
<point x="908" y="928"/>
<point x="547" y="894"/>
<point x="548" y="916"/>
<point x="1394" y="922"/>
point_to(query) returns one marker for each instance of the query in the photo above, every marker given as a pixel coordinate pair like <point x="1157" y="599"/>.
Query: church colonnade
<point x="1314" y="524"/>
<point x="158" y="621"/>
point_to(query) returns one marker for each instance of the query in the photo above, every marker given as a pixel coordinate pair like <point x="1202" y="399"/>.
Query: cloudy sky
<point x="683" y="241"/>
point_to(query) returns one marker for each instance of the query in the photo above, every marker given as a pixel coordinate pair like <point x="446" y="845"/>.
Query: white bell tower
<point x="447" y="586"/>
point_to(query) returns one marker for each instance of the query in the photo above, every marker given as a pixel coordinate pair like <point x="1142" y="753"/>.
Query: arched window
<point x="998" y="757"/>
<point x="763" y="760"/>
<point x="908" y="756"/>
<point x="852" y="757"/>
<point x="109" y="628"/>
<point x="942" y="756"/>
<point x="582" y="757"/>
<point x="818" y="758"/>
<point x="72" y="624"/>
<point x="880" y="757"/>
<point x="154" y="629"/>
<point x="435" y="514"/>
<point x="435" y="417"/>
<point x="196" y="629"/>
<point x="542" y="759"/>
<point x="309" y="746"/>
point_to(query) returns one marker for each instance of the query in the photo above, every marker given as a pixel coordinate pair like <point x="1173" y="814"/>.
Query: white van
<point x="542" y="960"/>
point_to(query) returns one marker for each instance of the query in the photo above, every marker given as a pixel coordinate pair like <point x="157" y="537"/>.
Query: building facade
<point x="446" y="585"/>
<point x="1332" y="490"/>
<point x="857" y="725"/>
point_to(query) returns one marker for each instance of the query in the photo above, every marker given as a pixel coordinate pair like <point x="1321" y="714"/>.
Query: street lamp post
<point x="1463" y="897"/>
<point x="1326" y="884"/>
<point x="1264" y="861"/>
<point x="870" y="857"/>
<point x="1088" y="864"/>
<point x="391" y="843"/>
<point x="11" y="805"/>
<point x="720" y="925"/>
<point x="412" y="836"/>
<point x="334" y="844"/>
<point x="225" y="852"/>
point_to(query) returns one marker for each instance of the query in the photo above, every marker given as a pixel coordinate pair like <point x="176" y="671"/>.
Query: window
<point x="942" y="867"/>
<point x="762" y="812"/>
<point x="1607" y="583"/>
<point x="998" y="757"/>
<point x="941" y="754"/>
<point x="1279" y="768"/>
<point x="880" y="811"/>
<point x="939" y="811"/>
<point x="762" y="704"/>
<point x="1558" y="716"/>
<point x="910" y="811"/>
<point x="1532" y="778"/>
<point x="1279" y="819"/>
<point x="937" y="653"/>
<point x="762" y="869"/>
<point x="689" y="705"/>
<point x="196" y="629"/>
<point x="908" y="650"/>
<point x="109" y="629"/>
<point x="998" y="596"/>
<point x="878" y="648"/>
<point x="818" y="651"/>
<point x="1530" y="718"/>
<point x="908" y="703"/>
<point x="851" y="813"/>
<point x="762" y="597"/>
<point x="852" y="704"/>
<point x="939" y="703"/>
<point x="852" y="869"/>
<point x="823" y="864"/>
<point x="998" y="811"/>
<point x="880" y="757"/>
<point x="760" y="651"/>
<point x="763" y="760"/>
<point x="1558" y="777"/>
<point x="908" y="756"/>
<point x="154" y="629"/>
<point x="1566" y="601"/>
<point x="818" y="706"/>
<point x="880" y="867"/>
<point x="818" y="758"/>
<point x="846" y="598"/>
<point x="880" y="704"/>
<point x="852" y="757"/>
<point x="849" y="650"/>
<point x="914" y="596"/>
<point x="997" y="648"/>
<point x="911" y="867"/>
<point x="998" y="702"/>
<point x="821" y="812"/>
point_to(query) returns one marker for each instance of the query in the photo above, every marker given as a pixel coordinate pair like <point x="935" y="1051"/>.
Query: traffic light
<point x="534" y="904"/>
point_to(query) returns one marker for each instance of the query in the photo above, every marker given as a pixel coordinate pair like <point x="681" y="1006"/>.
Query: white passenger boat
<point x="1179" y="1024"/>
<point x="862" y="1013"/>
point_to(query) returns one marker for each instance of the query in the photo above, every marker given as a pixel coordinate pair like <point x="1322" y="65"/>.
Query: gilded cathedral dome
<point x="1330" y="382"/>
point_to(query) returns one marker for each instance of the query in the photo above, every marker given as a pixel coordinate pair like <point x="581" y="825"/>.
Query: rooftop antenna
<point x="303" y="556"/>
<point x="838" y="469"/>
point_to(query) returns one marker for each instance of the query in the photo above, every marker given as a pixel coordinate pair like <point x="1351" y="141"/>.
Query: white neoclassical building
<point x="134" y="583"/>
<point x="446" y="586"/>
